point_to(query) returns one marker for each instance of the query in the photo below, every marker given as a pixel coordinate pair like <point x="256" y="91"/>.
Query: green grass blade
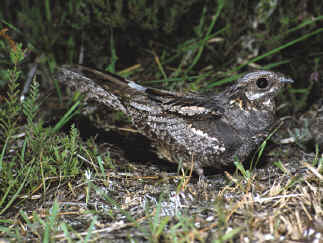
<point x="214" y="19"/>
<point x="3" y="153"/>
<point x="48" y="11"/>
<point x="14" y="197"/>
<point x="67" y="116"/>
<point x="90" y="230"/>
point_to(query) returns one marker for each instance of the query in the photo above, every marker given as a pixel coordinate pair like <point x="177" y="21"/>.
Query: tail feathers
<point x="105" y="79"/>
<point x="94" y="85"/>
<point x="114" y="84"/>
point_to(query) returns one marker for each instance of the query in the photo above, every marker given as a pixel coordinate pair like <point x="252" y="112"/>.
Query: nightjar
<point x="202" y="131"/>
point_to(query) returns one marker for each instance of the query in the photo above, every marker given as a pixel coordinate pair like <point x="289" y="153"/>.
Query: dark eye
<point x="262" y="83"/>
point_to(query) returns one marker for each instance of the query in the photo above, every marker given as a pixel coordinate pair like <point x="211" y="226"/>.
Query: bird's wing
<point x="189" y="105"/>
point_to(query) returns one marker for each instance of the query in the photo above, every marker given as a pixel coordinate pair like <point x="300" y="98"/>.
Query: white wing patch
<point x="200" y="133"/>
<point x="192" y="110"/>
<point x="138" y="87"/>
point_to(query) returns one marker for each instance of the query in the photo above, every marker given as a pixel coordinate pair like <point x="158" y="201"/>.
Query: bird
<point x="195" y="130"/>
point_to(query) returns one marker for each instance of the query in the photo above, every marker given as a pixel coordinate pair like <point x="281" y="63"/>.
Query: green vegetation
<point x="31" y="153"/>
<point x="59" y="185"/>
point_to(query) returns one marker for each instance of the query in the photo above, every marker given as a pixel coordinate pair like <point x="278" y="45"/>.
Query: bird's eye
<point x="262" y="83"/>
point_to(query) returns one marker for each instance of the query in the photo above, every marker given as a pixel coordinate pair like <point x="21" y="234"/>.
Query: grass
<point x="280" y="209"/>
<point x="57" y="187"/>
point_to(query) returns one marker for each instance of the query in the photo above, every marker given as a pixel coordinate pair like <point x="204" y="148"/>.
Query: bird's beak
<point x="286" y="80"/>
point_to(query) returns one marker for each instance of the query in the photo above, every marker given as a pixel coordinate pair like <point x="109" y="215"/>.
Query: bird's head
<point x="260" y="87"/>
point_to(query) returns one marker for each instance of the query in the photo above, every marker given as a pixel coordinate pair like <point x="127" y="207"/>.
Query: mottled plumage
<point x="210" y="130"/>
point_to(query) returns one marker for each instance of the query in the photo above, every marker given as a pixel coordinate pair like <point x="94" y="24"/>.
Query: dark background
<point x="116" y="35"/>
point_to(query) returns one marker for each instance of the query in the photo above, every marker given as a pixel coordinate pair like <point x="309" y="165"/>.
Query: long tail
<point x="106" y="88"/>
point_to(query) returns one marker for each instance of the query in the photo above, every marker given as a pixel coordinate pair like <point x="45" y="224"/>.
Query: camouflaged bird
<point x="196" y="130"/>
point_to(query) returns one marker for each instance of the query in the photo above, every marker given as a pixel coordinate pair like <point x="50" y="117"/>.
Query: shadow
<point x="133" y="146"/>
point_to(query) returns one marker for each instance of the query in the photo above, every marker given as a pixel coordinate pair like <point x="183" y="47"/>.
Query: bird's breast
<point x="248" y="120"/>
